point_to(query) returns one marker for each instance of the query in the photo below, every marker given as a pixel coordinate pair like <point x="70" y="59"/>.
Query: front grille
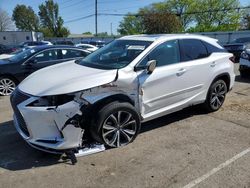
<point x="16" y="98"/>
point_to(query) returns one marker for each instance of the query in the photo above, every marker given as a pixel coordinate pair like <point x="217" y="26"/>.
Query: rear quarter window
<point x="211" y="48"/>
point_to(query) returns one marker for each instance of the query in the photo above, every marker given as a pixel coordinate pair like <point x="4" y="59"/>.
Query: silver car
<point x="105" y="97"/>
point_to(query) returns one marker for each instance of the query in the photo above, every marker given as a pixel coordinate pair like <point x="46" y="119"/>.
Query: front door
<point x="164" y="89"/>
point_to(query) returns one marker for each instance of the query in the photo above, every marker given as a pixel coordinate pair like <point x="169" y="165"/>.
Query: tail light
<point x="232" y="59"/>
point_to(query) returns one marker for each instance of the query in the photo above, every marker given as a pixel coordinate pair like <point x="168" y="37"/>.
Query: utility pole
<point x="96" y="17"/>
<point x="111" y="32"/>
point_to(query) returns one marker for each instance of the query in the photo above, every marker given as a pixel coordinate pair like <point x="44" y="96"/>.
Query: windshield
<point x="115" y="55"/>
<point x="22" y="55"/>
<point x="242" y="40"/>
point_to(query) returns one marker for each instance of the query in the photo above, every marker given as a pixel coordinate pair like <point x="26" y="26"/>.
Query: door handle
<point x="213" y="64"/>
<point x="181" y="72"/>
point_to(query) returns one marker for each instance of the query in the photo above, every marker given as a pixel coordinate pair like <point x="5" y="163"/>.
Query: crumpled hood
<point x="65" y="78"/>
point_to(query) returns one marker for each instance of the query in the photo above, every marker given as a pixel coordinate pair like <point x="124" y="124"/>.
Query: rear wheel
<point x="216" y="96"/>
<point x="117" y="125"/>
<point x="7" y="86"/>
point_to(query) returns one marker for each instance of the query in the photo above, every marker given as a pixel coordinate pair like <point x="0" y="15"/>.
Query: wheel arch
<point x="11" y="77"/>
<point x="225" y="77"/>
<point x="90" y="110"/>
<point x="112" y="98"/>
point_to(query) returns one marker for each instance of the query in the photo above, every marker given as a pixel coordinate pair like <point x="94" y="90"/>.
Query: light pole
<point x="96" y="17"/>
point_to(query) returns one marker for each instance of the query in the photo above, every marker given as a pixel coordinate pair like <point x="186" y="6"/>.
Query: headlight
<point x="244" y="55"/>
<point x="55" y="100"/>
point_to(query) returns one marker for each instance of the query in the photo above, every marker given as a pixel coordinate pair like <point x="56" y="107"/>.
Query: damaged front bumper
<point x="53" y="129"/>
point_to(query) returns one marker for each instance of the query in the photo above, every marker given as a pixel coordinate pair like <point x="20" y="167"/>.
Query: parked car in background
<point x="105" y="97"/>
<point x="244" y="67"/>
<point x="64" y="42"/>
<point x="88" y="47"/>
<point x="7" y="49"/>
<point x="237" y="46"/>
<point x="6" y="56"/>
<point x="14" y="69"/>
<point x="34" y="43"/>
<point x="97" y="43"/>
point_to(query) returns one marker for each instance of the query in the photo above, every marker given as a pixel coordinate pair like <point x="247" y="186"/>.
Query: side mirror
<point x="151" y="65"/>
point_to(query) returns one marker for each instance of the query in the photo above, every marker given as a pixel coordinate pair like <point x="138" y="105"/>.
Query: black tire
<point x="7" y="85"/>
<point x="243" y="74"/>
<point x="107" y="120"/>
<point x="216" y="96"/>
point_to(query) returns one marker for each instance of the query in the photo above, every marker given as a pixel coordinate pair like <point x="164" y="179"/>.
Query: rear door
<point x="197" y="63"/>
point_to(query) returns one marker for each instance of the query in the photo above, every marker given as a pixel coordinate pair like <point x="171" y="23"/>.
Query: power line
<point x="138" y="15"/>
<point x="81" y="18"/>
<point x="105" y="10"/>
<point x="72" y="4"/>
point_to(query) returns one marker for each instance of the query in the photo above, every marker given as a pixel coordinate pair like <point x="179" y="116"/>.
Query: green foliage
<point x="131" y="25"/>
<point x="51" y="22"/>
<point x="246" y="19"/>
<point x="87" y="33"/>
<point x="209" y="16"/>
<point x="25" y="18"/>
<point x="184" y="15"/>
<point x="102" y="34"/>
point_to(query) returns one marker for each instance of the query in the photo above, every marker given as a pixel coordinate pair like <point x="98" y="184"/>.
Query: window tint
<point x="211" y="48"/>
<point x="48" y="55"/>
<point x="69" y="53"/>
<point x="164" y="54"/>
<point x="192" y="49"/>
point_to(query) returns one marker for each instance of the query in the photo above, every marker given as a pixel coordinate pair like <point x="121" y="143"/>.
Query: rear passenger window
<point x="69" y="53"/>
<point x="47" y="55"/>
<point x="192" y="49"/>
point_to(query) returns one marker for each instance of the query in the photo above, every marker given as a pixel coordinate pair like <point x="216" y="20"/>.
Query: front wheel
<point x="7" y="86"/>
<point x="117" y="125"/>
<point x="216" y="96"/>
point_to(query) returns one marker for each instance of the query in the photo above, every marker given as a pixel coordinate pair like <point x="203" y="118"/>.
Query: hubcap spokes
<point x="7" y="86"/>
<point x="119" y="129"/>
<point x="218" y="96"/>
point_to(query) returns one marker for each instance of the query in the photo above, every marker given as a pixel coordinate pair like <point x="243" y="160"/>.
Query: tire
<point x="216" y="96"/>
<point x="7" y="85"/>
<point x="116" y="124"/>
<point x="243" y="74"/>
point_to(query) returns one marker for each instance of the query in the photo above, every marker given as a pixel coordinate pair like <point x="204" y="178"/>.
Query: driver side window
<point x="166" y="53"/>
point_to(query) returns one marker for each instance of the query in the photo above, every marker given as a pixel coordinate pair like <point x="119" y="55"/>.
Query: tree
<point x="131" y="25"/>
<point x="178" y="7"/>
<point x="245" y="22"/>
<point x="157" y="20"/>
<point x="5" y="21"/>
<point x="87" y="33"/>
<point x="214" y="15"/>
<point x="51" y="21"/>
<point x="25" y="18"/>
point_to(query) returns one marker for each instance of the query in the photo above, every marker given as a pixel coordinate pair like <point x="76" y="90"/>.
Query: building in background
<point x="16" y="37"/>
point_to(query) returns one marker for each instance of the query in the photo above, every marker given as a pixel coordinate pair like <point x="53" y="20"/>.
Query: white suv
<point x="105" y="97"/>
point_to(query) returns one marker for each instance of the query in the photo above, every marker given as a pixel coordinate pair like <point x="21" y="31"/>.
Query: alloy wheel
<point x="218" y="95"/>
<point x="7" y="86"/>
<point x="119" y="129"/>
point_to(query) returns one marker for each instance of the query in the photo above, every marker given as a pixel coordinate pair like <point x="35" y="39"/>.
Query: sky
<point x="74" y="9"/>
